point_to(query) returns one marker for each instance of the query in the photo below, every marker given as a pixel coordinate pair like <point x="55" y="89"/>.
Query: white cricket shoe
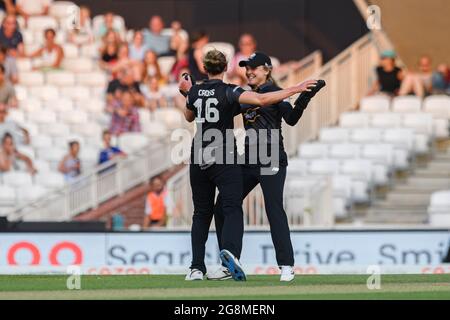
<point x="287" y="274"/>
<point x="221" y="274"/>
<point x="194" y="275"/>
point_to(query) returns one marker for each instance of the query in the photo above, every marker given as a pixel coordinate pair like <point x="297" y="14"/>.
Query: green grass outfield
<point x="257" y="287"/>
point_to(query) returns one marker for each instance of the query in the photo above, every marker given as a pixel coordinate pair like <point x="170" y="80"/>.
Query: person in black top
<point x="389" y="76"/>
<point x="213" y="105"/>
<point x="263" y="130"/>
<point x="195" y="53"/>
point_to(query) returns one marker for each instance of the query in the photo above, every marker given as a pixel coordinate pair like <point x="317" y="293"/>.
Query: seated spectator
<point x="124" y="82"/>
<point x="181" y="62"/>
<point x="50" y="55"/>
<point x="126" y="117"/>
<point x="153" y="38"/>
<point x="441" y="80"/>
<point x="180" y="100"/>
<point x="70" y="165"/>
<point x="10" y="158"/>
<point x="195" y="55"/>
<point x="389" y="76"/>
<point x="19" y="134"/>
<point x="10" y="36"/>
<point x="137" y="47"/>
<point x="83" y="33"/>
<point x="157" y="205"/>
<point x="7" y="91"/>
<point x="109" y="50"/>
<point x="107" y="25"/>
<point x="151" y="68"/>
<point x="124" y="62"/>
<point x="419" y="84"/>
<point x="109" y="152"/>
<point x="8" y="6"/>
<point x="247" y="46"/>
<point x="154" y="97"/>
<point x="29" y="8"/>
<point x="11" y="72"/>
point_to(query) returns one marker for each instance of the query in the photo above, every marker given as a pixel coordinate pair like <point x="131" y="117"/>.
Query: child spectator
<point x="10" y="157"/>
<point x="126" y="117"/>
<point x="109" y="152"/>
<point x="157" y="204"/>
<point x="389" y="76"/>
<point x="50" y="55"/>
<point x="70" y="165"/>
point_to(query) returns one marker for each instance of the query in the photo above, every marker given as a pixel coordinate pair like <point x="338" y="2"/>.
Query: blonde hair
<point x="214" y="62"/>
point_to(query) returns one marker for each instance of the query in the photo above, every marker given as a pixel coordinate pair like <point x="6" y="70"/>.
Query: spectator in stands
<point x="8" y="6"/>
<point x="153" y="95"/>
<point x="29" y="8"/>
<point x="10" y="157"/>
<point x="181" y="62"/>
<point x="7" y="91"/>
<point x="137" y="47"/>
<point x="50" y="55"/>
<point x="195" y="55"/>
<point x="124" y="62"/>
<point x="247" y="46"/>
<point x="11" y="72"/>
<point x="109" y="55"/>
<point x="70" y="165"/>
<point x="126" y="117"/>
<point x="83" y="33"/>
<point x="177" y="40"/>
<point x="10" y="36"/>
<point x="157" y="204"/>
<point x="420" y="83"/>
<point x="154" y="39"/>
<point x="180" y="100"/>
<point x="19" y="134"/>
<point x="124" y="82"/>
<point x="109" y="152"/>
<point x="441" y="79"/>
<point x="389" y="76"/>
<point x="107" y="25"/>
<point x="151" y="68"/>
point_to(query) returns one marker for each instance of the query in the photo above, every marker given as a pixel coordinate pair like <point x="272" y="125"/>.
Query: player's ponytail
<point x="214" y="62"/>
<point x="269" y="77"/>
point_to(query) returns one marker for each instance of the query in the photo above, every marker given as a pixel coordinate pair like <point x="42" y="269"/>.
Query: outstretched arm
<point x="270" y="98"/>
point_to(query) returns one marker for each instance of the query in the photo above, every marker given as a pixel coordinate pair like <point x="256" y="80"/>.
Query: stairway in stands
<point x="408" y="199"/>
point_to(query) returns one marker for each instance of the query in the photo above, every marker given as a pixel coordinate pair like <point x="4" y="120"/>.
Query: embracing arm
<point x="270" y="98"/>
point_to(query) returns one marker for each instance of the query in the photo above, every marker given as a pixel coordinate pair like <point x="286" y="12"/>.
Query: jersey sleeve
<point x="189" y="100"/>
<point x="233" y="93"/>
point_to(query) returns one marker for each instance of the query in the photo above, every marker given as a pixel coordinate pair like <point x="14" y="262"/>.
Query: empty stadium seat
<point x="354" y="120"/>
<point x="24" y="65"/>
<point x="61" y="78"/>
<point x="89" y="129"/>
<point x="155" y="129"/>
<point x="75" y="92"/>
<point x="78" y="65"/>
<point x="439" y="209"/>
<point x="42" y="117"/>
<point x="21" y="92"/>
<point x="312" y="151"/>
<point x="17" y="179"/>
<point x="171" y="117"/>
<point x="59" y="105"/>
<point x="53" y="155"/>
<point x="7" y="196"/>
<point x="344" y="151"/>
<point x="40" y="23"/>
<point x="379" y="153"/>
<point x="386" y="120"/>
<point x="16" y="115"/>
<point x="131" y="142"/>
<point x="47" y="92"/>
<point x="375" y="104"/>
<point x="56" y="130"/>
<point x="31" y="78"/>
<point x="166" y="64"/>
<point x="75" y="117"/>
<point x="366" y="135"/>
<point x="297" y="167"/>
<point x="224" y="47"/>
<point x="31" y="105"/>
<point x="41" y="141"/>
<point x="42" y="166"/>
<point x="439" y="107"/>
<point x="406" y="104"/>
<point x="92" y="105"/>
<point x="31" y="193"/>
<point x="94" y="79"/>
<point x="326" y="166"/>
<point x="50" y="180"/>
<point x="71" y="51"/>
<point x="334" y="135"/>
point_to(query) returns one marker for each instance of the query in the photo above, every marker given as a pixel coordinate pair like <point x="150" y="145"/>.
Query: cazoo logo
<point x="38" y="255"/>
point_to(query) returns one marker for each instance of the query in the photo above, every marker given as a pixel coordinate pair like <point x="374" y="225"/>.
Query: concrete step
<point x="412" y="188"/>
<point x="442" y="183"/>
<point x="400" y="207"/>
<point x="408" y="199"/>
<point x="440" y="164"/>
<point x="442" y="156"/>
<point x="390" y="217"/>
<point x="431" y="172"/>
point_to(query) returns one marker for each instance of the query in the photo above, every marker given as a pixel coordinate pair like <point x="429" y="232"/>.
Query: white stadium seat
<point x="386" y="120"/>
<point x="78" y="65"/>
<point x="344" y="151"/>
<point x="89" y="129"/>
<point x="379" y="153"/>
<point x="354" y="120"/>
<point x="334" y="135"/>
<point x="59" y="105"/>
<point x="41" y="141"/>
<point x="32" y="128"/>
<point x="16" y="115"/>
<point x="406" y="104"/>
<point x="118" y="23"/>
<point x="75" y="92"/>
<point x="375" y="104"/>
<point x="61" y="78"/>
<point x="297" y="167"/>
<point x="42" y="166"/>
<point x="62" y="9"/>
<point x="31" y="105"/>
<point x="71" y="51"/>
<point x="92" y="105"/>
<point x="438" y="106"/>
<point x="419" y="122"/>
<point x="275" y="62"/>
<point x="47" y="92"/>
<point x="31" y="193"/>
<point x="439" y="209"/>
<point x="95" y="79"/>
<point x="155" y="129"/>
<point x="21" y="92"/>
<point x="24" y="64"/>
<point x="7" y="196"/>
<point x="40" y="23"/>
<point x="56" y="130"/>
<point x="225" y="47"/>
<point x="31" y="78"/>
<point x="312" y="151"/>
<point x="326" y="166"/>
<point x="132" y="142"/>
<point x="171" y="117"/>
<point x="75" y="117"/>
<point x="90" y="51"/>
<point x="169" y="33"/>
<point x="366" y="135"/>
<point x="49" y="179"/>
<point x="42" y="117"/>
<point x="17" y="179"/>
<point x="359" y="168"/>
<point x="52" y="154"/>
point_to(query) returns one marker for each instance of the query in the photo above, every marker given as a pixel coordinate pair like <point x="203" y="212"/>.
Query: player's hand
<point x="185" y="84"/>
<point x="306" y="86"/>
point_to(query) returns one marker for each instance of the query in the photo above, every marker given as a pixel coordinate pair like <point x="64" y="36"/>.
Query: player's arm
<point x="184" y="85"/>
<point x="270" y="98"/>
